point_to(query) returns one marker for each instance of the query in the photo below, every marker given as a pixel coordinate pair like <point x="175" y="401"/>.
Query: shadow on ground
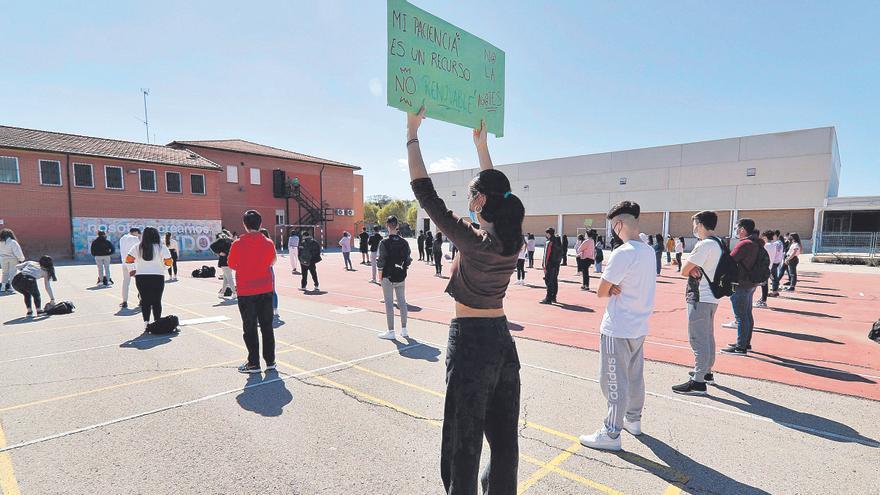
<point x="265" y="395"/>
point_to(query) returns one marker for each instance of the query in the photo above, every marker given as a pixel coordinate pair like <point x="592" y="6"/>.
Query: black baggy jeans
<point x="551" y="280"/>
<point x="257" y="309"/>
<point x="306" y="270"/>
<point x="150" y="288"/>
<point x="482" y="398"/>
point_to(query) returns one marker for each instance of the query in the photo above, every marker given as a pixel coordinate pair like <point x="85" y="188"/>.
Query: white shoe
<point x="146" y="324"/>
<point x="729" y="324"/>
<point x="403" y="333"/>
<point x="634" y="427"/>
<point x="276" y="313"/>
<point x="600" y="440"/>
<point x="389" y="335"/>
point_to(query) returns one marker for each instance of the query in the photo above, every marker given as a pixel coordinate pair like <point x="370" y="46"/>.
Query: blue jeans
<point x="742" y="310"/>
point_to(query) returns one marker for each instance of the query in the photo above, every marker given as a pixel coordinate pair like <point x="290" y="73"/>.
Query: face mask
<point x="696" y="234"/>
<point x="473" y="215"/>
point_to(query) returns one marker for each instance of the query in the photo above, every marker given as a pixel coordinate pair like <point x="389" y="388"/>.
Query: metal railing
<point x="862" y="244"/>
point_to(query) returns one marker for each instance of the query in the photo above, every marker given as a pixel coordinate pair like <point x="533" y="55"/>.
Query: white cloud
<point x="447" y="164"/>
<point x="376" y="86"/>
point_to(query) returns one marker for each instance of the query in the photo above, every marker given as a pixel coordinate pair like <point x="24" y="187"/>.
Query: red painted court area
<point x="814" y="338"/>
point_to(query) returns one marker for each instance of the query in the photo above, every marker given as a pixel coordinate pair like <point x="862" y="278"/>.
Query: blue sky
<point x="582" y="77"/>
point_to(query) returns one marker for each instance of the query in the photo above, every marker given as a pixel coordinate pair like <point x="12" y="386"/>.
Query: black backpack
<point x="760" y="271"/>
<point x="204" y="272"/>
<point x="874" y="334"/>
<point x="164" y="325"/>
<point x="726" y="273"/>
<point x="62" y="308"/>
<point x="397" y="260"/>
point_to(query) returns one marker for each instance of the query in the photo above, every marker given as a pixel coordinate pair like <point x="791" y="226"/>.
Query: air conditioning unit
<point x="340" y="211"/>
<point x="349" y="213"/>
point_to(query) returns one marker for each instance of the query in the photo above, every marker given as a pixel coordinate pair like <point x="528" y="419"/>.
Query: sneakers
<point x="146" y="325"/>
<point x="30" y="313"/>
<point x="633" y="427"/>
<point x="789" y="289"/>
<point x="270" y="367"/>
<point x="275" y="313"/>
<point x="545" y="301"/>
<point x="690" y="388"/>
<point x="403" y="333"/>
<point x="709" y="378"/>
<point x="124" y="305"/>
<point x="774" y="293"/>
<point x="389" y="335"/>
<point x="734" y="345"/>
<point x="729" y="324"/>
<point x="41" y="312"/>
<point x="760" y="304"/>
<point x="734" y="351"/>
<point x="601" y="440"/>
<point x="249" y="368"/>
<point x="316" y="288"/>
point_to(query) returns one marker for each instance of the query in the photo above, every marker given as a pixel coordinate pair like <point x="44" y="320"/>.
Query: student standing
<point x="429" y="247"/>
<point x="701" y="302"/>
<point x="394" y="260"/>
<point x="552" y="260"/>
<point x="150" y="259"/>
<point x="564" y="250"/>
<point x="600" y="254"/>
<point x="25" y="281"/>
<point x="746" y="255"/>
<point x="658" y="251"/>
<point x="174" y="249"/>
<point x="252" y="257"/>
<point x="629" y="282"/>
<point x="10" y="255"/>
<point x="102" y="249"/>
<point x="679" y="251"/>
<point x="531" y="243"/>
<point x="770" y="247"/>
<point x="421" y="244"/>
<point x="586" y="253"/>
<point x="309" y="257"/>
<point x="777" y="260"/>
<point x="482" y="372"/>
<point x="363" y="245"/>
<point x="375" y="239"/>
<point x="792" y="258"/>
<point x="126" y="243"/>
<point x="437" y="254"/>
<point x="521" y="265"/>
<point x="293" y="250"/>
<point x="783" y="268"/>
<point x="221" y="247"/>
<point x="345" y="244"/>
<point x="670" y="247"/>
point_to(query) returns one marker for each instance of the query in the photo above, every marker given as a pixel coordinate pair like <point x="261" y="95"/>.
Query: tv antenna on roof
<point x="146" y="92"/>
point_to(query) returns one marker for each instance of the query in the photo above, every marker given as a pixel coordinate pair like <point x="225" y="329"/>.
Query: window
<point x="197" y="183"/>
<point x="279" y="217"/>
<point x="751" y="172"/>
<point x="622" y="181"/>
<point x="232" y="174"/>
<point x="50" y="172"/>
<point x="172" y="182"/>
<point x="255" y="176"/>
<point x="148" y="180"/>
<point x="82" y="175"/>
<point x="9" y="170"/>
<point x="113" y="178"/>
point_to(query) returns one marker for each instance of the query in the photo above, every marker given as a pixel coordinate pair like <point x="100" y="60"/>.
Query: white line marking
<point x="208" y="319"/>
<point x="201" y="399"/>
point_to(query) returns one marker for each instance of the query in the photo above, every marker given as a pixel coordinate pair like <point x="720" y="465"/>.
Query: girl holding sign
<point x="482" y="365"/>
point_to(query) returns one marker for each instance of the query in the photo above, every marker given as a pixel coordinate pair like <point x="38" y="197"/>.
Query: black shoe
<point x="124" y="305"/>
<point x="749" y="347"/>
<point x="734" y="351"/>
<point x="270" y="367"/>
<point x="545" y="301"/>
<point x="709" y="378"/>
<point x="690" y="387"/>
<point x="249" y="368"/>
<point x="104" y="280"/>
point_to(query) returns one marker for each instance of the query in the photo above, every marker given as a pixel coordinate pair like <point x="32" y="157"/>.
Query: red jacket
<point x="252" y="257"/>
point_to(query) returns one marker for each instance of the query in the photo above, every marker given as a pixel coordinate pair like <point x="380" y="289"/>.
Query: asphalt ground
<point x="88" y="404"/>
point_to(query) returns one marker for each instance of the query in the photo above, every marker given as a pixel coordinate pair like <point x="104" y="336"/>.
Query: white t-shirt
<point x="127" y="242"/>
<point x="524" y="252"/>
<point x="155" y="266"/>
<point x="794" y="250"/>
<point x="706" y="255"/>
<point x="174" y="245"/>
<point x="778" y="255"/>
<point x="633" y="267"/>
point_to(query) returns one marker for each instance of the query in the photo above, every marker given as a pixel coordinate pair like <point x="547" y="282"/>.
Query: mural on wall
<point x="193" y="236"/>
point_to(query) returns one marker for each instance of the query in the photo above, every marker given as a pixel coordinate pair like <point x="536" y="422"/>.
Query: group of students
<point x="21" y="275"/>
<point x="431" y="250"/>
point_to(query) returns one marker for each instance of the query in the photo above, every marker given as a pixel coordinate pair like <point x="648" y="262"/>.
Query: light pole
<point x="146" y="91"/>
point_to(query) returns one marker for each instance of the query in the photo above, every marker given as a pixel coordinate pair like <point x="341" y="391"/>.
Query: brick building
<point x="57" y="190"/>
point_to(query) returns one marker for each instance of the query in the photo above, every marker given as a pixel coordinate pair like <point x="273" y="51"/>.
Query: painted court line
<point x="192" y="401"/>
<point x="8" y="483"/>
<point x="208" y="319"/>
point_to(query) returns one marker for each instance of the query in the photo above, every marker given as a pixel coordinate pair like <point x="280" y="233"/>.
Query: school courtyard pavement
<point x="89" y="405"/>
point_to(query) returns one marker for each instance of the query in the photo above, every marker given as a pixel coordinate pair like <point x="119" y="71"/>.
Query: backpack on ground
<point x="204" y="272"/>
<point x="726" y="273"/>
<point x="874" y="334"/>
<point x="227" y="292"/>
<point x="62" y="308"/>
<point x="164" y="325"/>
<point x="760" y="271"/>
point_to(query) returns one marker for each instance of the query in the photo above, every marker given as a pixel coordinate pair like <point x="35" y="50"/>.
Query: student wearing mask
<point x="126" y="243"/>
<point x="394" y="260"/>
<point x="777" y="260"/>
<point x="746" y="255"/>
<point x="586" y="253"/>
<point x="174" y="249"/>
<point x="770" y="247"/>
<point x="150" y="259"/>
<point x="252" y="257"/>
<point x="521" y="265"/>
<point x="437" y="254"/>
<point x="658" y="251"/>
<point x="701" y="302"/>
<point x="429" y="247"/>
<point x="345" y="244"/>
<point x="670" y="247"/>
<point x="221" y="248"/>
<point x="309" y="257"/>
<point x="679" y="251"/>
<point x="293" y="250"/>
<point x="364" y="246"/>
<point x="564" y="243"/>
<point x="375" y="239"/>
<point x="792" y="258"/>
<point x="629" y="283"/>
<point x="530" y="244"/>
<point x="102" y="249"/>
<point x="420" y="242"/>
<point x="10" y="255"/>
<point x="783" y="268"/>
<point x="482" y="373"/>
<point x="600" y="252"/>
<point x="25" y="282"/>
<point x="552" y="260"/>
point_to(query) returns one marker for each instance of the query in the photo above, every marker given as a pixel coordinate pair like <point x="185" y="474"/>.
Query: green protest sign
<point x="458" y="77"/>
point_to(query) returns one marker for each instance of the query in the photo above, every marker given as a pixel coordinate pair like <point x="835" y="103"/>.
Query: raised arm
<point x="417" y="168"/>
<point x="482" y="144"/>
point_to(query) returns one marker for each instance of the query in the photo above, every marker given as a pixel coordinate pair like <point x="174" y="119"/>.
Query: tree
<point x="397" y="208"/>
<point x="380" y="199"/>
<point x="412" y="215"/>
<point x="370" y="213"/>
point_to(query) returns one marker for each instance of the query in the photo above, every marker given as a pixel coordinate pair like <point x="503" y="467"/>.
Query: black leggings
<point x="306" y="270"/>
<point x="521" y="269"/>
<point x="27" y="285"/>
<point x="429" y="254"/>
<point x="173" y="263"/>
<point x="150" y="288"/>
<point x="585" y="271"/>
<point x="438" y="259"/>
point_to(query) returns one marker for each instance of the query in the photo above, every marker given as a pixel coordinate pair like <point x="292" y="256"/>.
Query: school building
<point x="785" y="181"/>
<point x="57" y="190"/>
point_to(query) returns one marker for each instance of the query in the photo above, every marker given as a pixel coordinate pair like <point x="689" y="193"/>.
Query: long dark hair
<point x="438" y="237"/>
<point x="167" y="238"/>
<point x="795" y="237"/>
<point x="7" y="234"/>
<point x="149" y="238"/>
<point x="47" y="264"/>
<point x="503" y="209"/>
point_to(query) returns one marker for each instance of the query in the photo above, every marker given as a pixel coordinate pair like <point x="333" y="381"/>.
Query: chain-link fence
<point x="849" y="243"/>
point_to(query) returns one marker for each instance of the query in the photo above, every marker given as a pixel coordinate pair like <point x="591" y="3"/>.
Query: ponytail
<point x="503" y="209"/>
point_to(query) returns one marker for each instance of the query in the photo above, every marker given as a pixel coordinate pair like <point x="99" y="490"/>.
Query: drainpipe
<point x="321" y="200"/>
<point x="70" y="208"/>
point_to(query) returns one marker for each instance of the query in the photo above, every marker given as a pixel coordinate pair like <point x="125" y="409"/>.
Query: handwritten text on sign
<point x="456" y="75"/>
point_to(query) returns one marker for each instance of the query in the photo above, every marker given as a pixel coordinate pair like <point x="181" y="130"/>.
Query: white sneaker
<point x="404" y="333"/>
<point x="389" y="335"/>
<point x="276" y="313"/>
<point x="633" y="427"/>
<point x="600" y="440"/>
<point x="729" y="324"/>
<point x="146" y="324"/>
